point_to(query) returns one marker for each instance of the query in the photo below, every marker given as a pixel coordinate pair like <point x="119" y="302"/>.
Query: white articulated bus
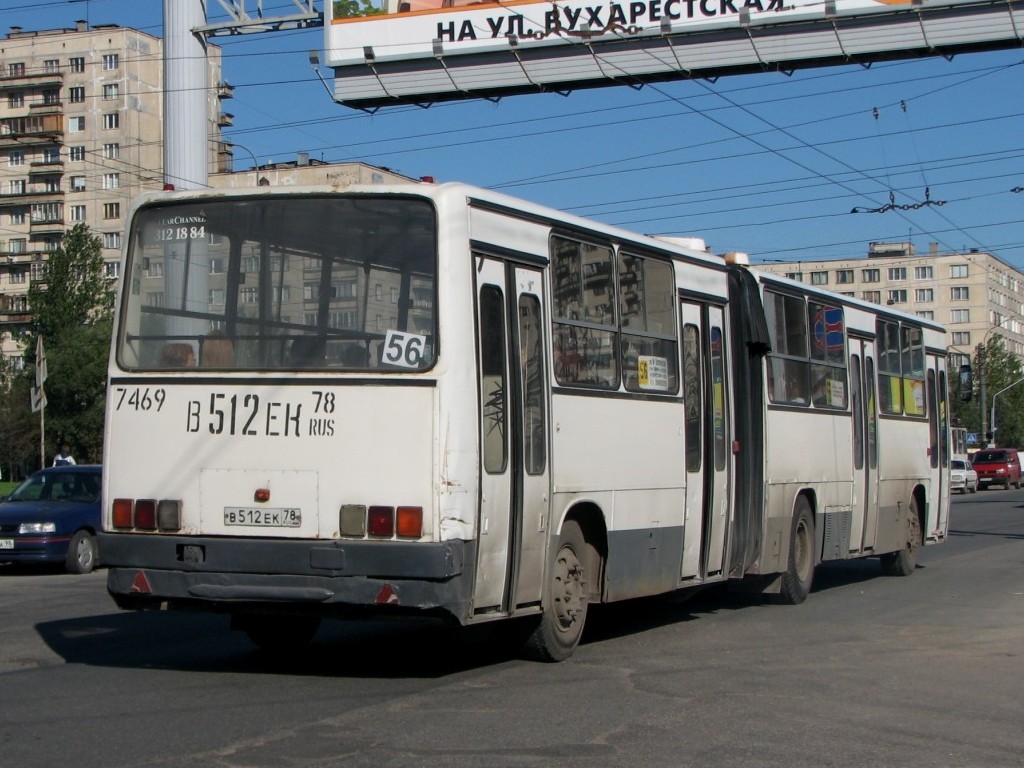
<point x="439" y="400"/>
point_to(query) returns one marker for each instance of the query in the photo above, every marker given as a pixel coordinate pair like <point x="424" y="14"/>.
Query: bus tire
<point x="799" y="574"/>
<point x="565" y="600"/>
<point x="81" y="557"/>
<point x="277" y="632"/>
<point x="904" y="561"/>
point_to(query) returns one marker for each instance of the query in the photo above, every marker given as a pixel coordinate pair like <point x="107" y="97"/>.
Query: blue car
<point x="53" y="517"/>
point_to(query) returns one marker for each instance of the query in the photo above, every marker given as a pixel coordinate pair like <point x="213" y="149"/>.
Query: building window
<point x="155" y="298"/>
<point x="249" y="295"/>
<point x="844" y="276"/>
<point x="76" y="94"/>
<point x="111" y="61"/>
<point x="15" y="100"/>
<point x="898" y="297"/>
<point x="76" y="154"/>
<point x="923" y="273"/>
<point x="924" y="295"/>
<point x="155" y="268"/>
<point x="111" y="180"/>
<point x="16" y="69"/>
<point x="111" y="210"/>
<point x="17" y="245"/>
<point x="19" y="276"/>
<point x="51" y="96"/>
<point x="47" y="212"/>
<point x="216" y="296"/>
<point x="111" y="151"/>
<point x="959" y="293"/>
<point x="51" y="66"/>
<point x="960" y="316"/>
<point x="77" y="63"/>
<point x="927" y="314"/>
<point x="875" y="297"/>
<point x="962" y="338"/>
<point x="78" y="183"/>
<point x="15" y="158"/>
<point x="76" y="124"/>
<point x="18" y="216"/>
<point x="798" y="276"/>
<point x="16" y="186"/>
<point x="111" y="239"/>
<point x="958" y="271"/>
<point x="51" y="155"/>
<point x="897" y="273"/>
<point x="111" y="121"/>
<point x="111" y="91"/>
<point x="819" y="278"/>
<point x="112" y="269"/>
<point x="869" y="276"/>
<point x="78" y="213"/>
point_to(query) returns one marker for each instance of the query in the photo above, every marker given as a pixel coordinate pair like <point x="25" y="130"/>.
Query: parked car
<point x="962" y="476"/>
<point x="997" y="466"/>
<point x="53" y="517"/>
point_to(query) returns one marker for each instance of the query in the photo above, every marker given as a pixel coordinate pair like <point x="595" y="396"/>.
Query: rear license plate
<point x="263" y="518"/>
<point x="6" y="543"/>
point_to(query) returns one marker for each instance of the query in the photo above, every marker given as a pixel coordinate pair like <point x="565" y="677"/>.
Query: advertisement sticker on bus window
<point x="406" y="350"/>
<point x="652" y="373"/>
<point x="171" y="229"/>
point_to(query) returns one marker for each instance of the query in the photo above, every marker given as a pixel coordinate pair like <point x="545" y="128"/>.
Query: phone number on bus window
<point x="252" y="416"/>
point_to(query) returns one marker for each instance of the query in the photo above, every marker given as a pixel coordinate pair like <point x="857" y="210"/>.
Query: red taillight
<point x="122" y="513"/>
<point x="145" y="514"/>
<point x="410" y="522"/>
<point x="381" y="521"/>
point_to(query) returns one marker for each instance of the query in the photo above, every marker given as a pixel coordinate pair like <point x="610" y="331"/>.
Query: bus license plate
<point x="263" y="518"/>
<point x="6" y="543"/>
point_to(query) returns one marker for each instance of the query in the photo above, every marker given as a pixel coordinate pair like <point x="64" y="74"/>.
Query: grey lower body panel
<point x="326" y="578"/>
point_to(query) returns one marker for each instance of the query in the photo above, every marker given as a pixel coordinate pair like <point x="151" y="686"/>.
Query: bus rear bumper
<point x="324" y="578"/>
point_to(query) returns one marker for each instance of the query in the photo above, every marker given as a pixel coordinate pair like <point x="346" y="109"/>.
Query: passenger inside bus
<point x="306" y="352"/>
<point x="216" y="351"/>
<point x="177" y="355"/>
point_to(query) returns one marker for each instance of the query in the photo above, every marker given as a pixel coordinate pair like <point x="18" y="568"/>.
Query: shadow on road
<point x="202" y="642"/>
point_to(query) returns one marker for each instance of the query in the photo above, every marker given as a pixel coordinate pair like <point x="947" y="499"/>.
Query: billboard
<point x="429" y="50"/>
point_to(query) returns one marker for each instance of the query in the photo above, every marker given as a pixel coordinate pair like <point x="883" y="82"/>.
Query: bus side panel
<point x="642" y="500"/>
<point x="903" y="464"/>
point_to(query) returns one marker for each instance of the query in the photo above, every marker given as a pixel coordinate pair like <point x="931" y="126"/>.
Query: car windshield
<point x="956" y="464"/>
<point x="59" y="486"/>
<point x="985" y="456"/>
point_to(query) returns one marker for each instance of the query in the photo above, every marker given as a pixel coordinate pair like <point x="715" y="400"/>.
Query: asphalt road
<point x="870" y="671"/>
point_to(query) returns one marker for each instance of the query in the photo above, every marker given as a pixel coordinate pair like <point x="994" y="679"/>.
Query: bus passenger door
<point x="864" y="487"/>
<point x="512" y="524"/>
<point x="708" y="447"/>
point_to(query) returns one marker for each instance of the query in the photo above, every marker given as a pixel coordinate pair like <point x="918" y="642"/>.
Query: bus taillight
<point x="381" y="521"/>
<point x="147" y="514"/>
<point x="122" y="516"/>
<point x="410" y="522"/>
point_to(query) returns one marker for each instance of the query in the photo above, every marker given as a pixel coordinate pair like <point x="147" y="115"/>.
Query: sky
<point x="769" y="164"/>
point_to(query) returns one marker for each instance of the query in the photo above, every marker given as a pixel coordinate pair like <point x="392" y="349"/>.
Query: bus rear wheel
<point x="799" y="574"/>
<point x="904" y="561"/>
<point x="565" y="600"/>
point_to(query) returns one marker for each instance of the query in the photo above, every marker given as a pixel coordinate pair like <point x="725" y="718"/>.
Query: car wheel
<point x="81" y="553"/>
<point x="974" y="488"/>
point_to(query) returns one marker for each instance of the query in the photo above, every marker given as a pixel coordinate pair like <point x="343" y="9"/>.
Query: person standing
<point x="64" y="458"/>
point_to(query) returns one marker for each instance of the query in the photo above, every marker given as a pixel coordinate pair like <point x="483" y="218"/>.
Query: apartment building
<point x="81" y="133"/>
<point x="972" y="293"/>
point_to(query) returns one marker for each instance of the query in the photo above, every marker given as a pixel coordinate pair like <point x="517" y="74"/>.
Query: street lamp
<point x="981" y="375"/>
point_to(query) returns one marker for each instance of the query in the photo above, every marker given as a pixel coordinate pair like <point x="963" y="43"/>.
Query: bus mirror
<point x="966" y="383"/>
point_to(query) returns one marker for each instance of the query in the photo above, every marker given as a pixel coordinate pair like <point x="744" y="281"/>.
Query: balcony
<point x="46" y="108"/>
<point x="46" y="168"/>
<point x="40" y="138"/>
<point x="49" y="226"/>
<point x="31" y="79"/>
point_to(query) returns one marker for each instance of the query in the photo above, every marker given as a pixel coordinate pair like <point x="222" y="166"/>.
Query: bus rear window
<point x="281" y="283"/>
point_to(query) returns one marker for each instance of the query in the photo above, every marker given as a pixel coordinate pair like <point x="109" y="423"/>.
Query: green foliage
<point x="995" y="368"/>
<point x="347" y="8"/>
<point x="72" y="310"/>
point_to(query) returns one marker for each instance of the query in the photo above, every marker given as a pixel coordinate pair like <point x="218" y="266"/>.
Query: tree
<point x="1001" y="371"/>
<point x="72" y="309"/>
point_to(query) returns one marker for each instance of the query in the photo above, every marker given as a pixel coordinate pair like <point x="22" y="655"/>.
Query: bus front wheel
<point x="565" y="600"/>
<point x="796" y="581"/>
